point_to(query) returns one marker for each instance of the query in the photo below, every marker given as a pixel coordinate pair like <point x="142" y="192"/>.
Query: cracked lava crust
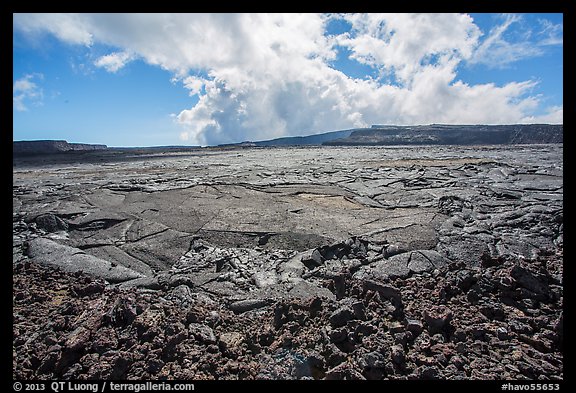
<point x="433" y="262"/>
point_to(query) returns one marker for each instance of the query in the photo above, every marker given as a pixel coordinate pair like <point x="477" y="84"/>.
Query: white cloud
<point x="114" y="61"/>
<point x="67" y="27"/>
<point x="404" y="43"/>
<point x="184" y="136"/>
<point x="551" y="33"/>
<point x="497" y="50"/>
<point x="25" y="90"/>
<point x="553" y="115"/>
<point x="266" y="76"/>
<point x="193" y="84"/>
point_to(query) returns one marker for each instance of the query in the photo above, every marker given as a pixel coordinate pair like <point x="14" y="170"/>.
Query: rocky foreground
<point x="317" y="263"/>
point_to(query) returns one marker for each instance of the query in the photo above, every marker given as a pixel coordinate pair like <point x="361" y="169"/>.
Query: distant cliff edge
<point x="377" y="135"/>
<point x="50" y="146"/>
<point x="442" y="134"/>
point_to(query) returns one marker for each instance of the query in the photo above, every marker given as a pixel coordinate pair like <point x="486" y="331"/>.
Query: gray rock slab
<point x="202" y="332"/>
<point x="402" y="265"/>
<point x="71" y="259"/>
<point x="464" y="202"/>
<point x="144" y="282"/>
<point x="265" y="278"/>
<point x="301" y="289"/>
<point x="466" y="248"/>
<point x="159" y="250"/>
<point x="98" y="219"/>
<point x="51" y="223"/>
<point x="242" y="306"/>
<point x="426" y="260"/>
<point x="119" y="257"/>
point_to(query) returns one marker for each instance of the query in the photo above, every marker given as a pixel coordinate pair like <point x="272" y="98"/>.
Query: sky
<point x="208" y="79"/>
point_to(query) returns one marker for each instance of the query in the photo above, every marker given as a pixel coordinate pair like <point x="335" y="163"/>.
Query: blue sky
<point x="161" y="79"/>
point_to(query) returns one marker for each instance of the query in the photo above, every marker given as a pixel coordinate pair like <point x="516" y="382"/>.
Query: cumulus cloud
<point x="264" y="76"/>
<point x="67" y="27"/>
<point x="26" y="90"/>
<point x="114" y="61"/>
<point x="404" y="43"/>
<point x="194" y="84"/>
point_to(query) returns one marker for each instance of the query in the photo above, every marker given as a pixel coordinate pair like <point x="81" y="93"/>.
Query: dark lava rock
<point x="123" y="311"/>
<point x="242" y="306"/>
<point x="231" y="344"/>
<point x="465" y="279"/>
<point x="414" y="326"/>
<point x="312" y="258"/>
<point x="51" y="223"/>
<point x="202" y="332"/>
<point x="342" y="315"/>
<point x="428" y="372"/>
<point x="398" y="355"/>
<point x="373" y="360"/>
<point x="493" y="310"/>
<point x="343" y="372"/>
<point x="449" y="204"/>
<point x="438" y="318"/>
<point x="91" y="288"/>
<point x="385" y="290"/>
<point x="529" y="280"/>
<point x="559" y="329"/>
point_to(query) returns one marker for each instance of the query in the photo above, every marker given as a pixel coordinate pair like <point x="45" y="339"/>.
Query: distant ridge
<point x="433" y="134"/>
<point x="377" y="135"/>
<point x="443" y="134"/>
<point x="51" y="146"/>
<point x="316" y="139"/>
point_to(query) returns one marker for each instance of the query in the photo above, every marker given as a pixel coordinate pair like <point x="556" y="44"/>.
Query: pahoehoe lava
<point x="422" y="262"/>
